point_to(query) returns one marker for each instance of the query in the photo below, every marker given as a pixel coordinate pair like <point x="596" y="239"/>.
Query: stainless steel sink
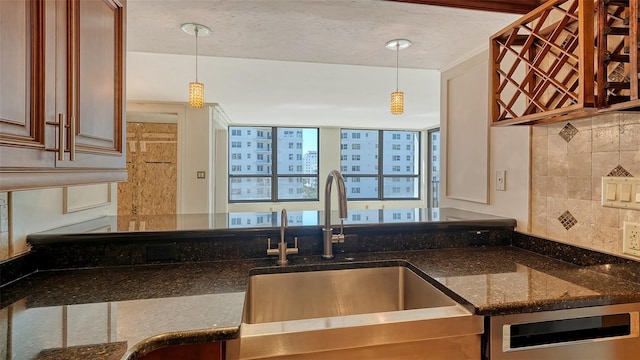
<point x="321" y="294"/>
<point x="370" y="310"/>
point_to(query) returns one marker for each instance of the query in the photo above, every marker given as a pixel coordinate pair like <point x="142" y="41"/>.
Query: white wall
<point x="39" y="210"/>
<point x="508" y="147"/>
<point x="263" y="92"/>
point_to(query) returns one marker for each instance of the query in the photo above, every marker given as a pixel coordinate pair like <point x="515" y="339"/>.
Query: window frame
<point x="380" y="176"/>
<point x="274" y="176"/>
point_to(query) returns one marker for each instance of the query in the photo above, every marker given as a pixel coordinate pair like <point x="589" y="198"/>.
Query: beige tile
<point x="557" y="165"/>
<point x="538" y="185"/>
<point x="630" y="137"/>
<point x="539" y="206"/>
<point x="628" y="216"/>
<point x="555" y="230"/>
<point x="606" y="238"/>
<point x="581" y="210"/>
<point x="4" y="246"/>
<point x="539" y="164"/>
<point x="539" y="226"/>
<point x="605" y="139"/>
<point x="539" y="145"/>
<point x="579" y="235"/>
<point x="630" y="160"/>
<point x="582" y="124"/>
<point x="605" y="216"/>
<point x="629" y="118"/>
<point x="603" y="162"/>
<point x="579" y="187"/>
<point x="556" y="144"/>
<point x="539" y="131"/>
<point x="557" y="187"/>
<point x="605" y="120"/>
<point x="556" y="207"/>
<point x="580" y="143"/>
<point x="596" y="188"/>
<point x="555" y="127"/>
<point x="579" y="164"/>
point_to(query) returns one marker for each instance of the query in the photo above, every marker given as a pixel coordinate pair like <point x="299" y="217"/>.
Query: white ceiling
<point x="351" y="32"/>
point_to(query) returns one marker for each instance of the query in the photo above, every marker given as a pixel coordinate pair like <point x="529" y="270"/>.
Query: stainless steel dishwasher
<point x="592" y="333"/>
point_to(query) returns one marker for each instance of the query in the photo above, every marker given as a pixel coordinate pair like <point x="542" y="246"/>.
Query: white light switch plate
<point x="621" y="192"/>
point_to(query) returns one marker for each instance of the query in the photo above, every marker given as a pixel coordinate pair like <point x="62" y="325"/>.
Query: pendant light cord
<point x="196" y="31"/>
<point x="397" y="55"/>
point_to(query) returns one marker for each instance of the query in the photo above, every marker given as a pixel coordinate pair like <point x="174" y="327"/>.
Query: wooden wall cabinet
<point x="61" y="93"/>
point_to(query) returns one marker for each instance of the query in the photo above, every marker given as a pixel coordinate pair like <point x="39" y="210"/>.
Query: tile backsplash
<point x="568" y="162"/>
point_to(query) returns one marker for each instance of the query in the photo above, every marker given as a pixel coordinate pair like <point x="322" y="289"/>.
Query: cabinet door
<point x="23" y="136"/>
<point x="95" y="78"/>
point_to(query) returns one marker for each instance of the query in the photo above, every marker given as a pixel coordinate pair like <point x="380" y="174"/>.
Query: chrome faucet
<point x="282" y="251"/>
<point x="327" y="231"/>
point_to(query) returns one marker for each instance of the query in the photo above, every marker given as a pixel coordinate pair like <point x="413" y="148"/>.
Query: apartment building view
<point x="276" y="164"/>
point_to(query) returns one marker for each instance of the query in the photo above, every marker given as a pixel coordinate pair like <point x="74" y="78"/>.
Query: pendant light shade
<point x="196" y="89"/>
<point x="397" y="102"/>
<point x="397" y="97"/>
<point x="196" y="94"/>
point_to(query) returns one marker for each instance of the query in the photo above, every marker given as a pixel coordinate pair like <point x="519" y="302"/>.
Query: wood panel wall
<point x="152" y="166"/>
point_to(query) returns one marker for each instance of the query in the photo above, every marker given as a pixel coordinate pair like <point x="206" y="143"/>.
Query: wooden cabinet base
<point x="205" y="351"/>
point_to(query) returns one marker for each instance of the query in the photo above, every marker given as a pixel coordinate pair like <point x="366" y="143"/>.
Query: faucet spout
<point x="284" y="222"/>
<point x="329" y="237"/>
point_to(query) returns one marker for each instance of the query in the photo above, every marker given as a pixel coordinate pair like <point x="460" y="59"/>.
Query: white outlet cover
<point x="500" y="180"/>
<point x="631" y="238"/>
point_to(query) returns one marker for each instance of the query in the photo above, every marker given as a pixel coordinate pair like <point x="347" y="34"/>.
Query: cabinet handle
<point x="61" y="131"/>
<point x="72" y="139"/>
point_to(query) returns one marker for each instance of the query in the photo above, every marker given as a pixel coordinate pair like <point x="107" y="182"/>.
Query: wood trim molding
<point x="504" y="6"/>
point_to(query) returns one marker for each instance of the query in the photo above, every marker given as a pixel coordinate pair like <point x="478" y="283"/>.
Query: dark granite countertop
<point x="411" y="217"/>
<point x="124" y="312"/>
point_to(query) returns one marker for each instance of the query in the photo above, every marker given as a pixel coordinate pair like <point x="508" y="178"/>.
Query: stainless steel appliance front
<point x="601" y="332"/>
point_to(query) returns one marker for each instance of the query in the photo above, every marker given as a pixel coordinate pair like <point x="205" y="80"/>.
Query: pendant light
<point x="196" y="89"/>
<point x="397" y="97"/>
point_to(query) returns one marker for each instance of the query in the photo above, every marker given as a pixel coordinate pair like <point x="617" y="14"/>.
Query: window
<point x="434" y="157"/>
<point x="284" y="169"/>
<point x="383" y="158"/>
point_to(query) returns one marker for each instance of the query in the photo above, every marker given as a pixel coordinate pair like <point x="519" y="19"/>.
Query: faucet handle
<point x="271" y="251"/>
